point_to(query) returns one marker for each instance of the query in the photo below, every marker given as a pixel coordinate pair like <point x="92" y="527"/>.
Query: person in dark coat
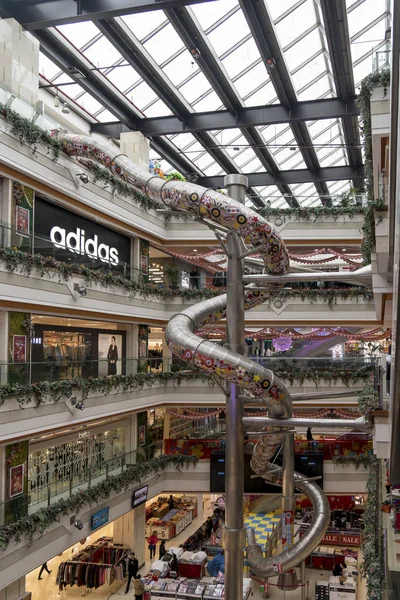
<point x="309" y="435"/>
<point x="171" y="503"/>
<point x="112" y="357"/>
<point x="162" y="550"/>
<point x="194" y="278"/>
<point x="44" y="567"/>
<point x="133" y="568"/>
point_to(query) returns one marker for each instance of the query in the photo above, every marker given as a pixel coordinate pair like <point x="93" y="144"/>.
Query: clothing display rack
<point x="99" y="564"/>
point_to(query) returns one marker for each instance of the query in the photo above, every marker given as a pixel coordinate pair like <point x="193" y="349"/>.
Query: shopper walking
<point x="44" y="567"/>
<point x="138" y="588"/>
<point x="162" y="550"/>
<point x="171" y="503"/>
<point x="133" y="568"/>
<point x="153" y="541"/>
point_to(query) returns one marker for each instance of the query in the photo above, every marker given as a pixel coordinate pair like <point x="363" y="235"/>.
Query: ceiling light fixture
<point x="56" y="101"/>
<point x="83" y="177"/>
<point x="65" y="109"/>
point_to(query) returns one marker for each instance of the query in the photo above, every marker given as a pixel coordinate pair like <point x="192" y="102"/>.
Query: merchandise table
<point x="342" y="590"/>
<point x="186" y="589"/>
<point x="192" y="570"/>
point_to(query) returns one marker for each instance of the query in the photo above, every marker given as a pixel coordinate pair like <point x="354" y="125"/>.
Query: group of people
<point x="133" y="568"/>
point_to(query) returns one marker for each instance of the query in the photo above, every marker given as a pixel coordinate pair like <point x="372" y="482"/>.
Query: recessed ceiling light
<point x="194" y="250"/>
<point x="343" y="249"/>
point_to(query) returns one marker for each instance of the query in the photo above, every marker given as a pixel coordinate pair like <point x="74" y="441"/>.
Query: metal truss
<point x="39" y="14"/>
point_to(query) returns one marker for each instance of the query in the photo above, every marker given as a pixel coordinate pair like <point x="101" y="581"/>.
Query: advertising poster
<point x="287" y="528"/>
<point x="22" y="220"/>
<point x="19" y="348"/>
<point x="144" y="264"/>
<point x="142" y="435"/>
<point x="100" y="518"/>
<point x="16" y="480"/>
<point x="110" y="354"/>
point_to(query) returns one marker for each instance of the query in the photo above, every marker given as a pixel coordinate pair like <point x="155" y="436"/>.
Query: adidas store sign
<point x="76" y="242"/>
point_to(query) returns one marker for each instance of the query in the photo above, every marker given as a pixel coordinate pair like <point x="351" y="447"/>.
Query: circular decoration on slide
<point x="256" y="293"/>
<point x="194" y="197"/>
<point x="275" y="248"/>
<point x="187" y="354"/>
<point x="209" y="363"/>
<point x="265" y="384"/>
<point x="278" y="303"/>
<point x="241" y="219"/>
<point x="278" y="221"/>
<point x="215" y="212"/>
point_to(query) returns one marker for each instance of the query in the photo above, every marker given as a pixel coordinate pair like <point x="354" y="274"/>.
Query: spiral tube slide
<point x="221" y="362"/>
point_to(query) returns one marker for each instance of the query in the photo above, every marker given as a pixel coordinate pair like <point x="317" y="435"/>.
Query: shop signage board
<point x="340" y="539"/>
<point x="74" y="239"/>
<point x="100" y="518"/>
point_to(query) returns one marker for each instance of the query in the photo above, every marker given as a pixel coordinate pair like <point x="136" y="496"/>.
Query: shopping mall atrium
<point x="199" y="290"/>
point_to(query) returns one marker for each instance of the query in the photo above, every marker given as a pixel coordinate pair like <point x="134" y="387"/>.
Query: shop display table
<point x="161" y="511"/>
<point x="192" y="570"/>
<point x="191" y="589"/>
<point x="164" y="589"/>
<point x="217" y="590"/>
<point x="346" y="590"/>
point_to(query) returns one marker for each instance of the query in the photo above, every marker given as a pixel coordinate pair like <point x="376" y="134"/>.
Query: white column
<point x="3" y="346"/>
<point x="6" y="217"/>
<point x="14" y="591"/>
<point x="131" y="439"/>
<point x="136" y="147"/>
<point x="129" y="530"/>
<point x="135" y="259"/>
<point x="19" y="61"/>
<point x="167" y="355"/>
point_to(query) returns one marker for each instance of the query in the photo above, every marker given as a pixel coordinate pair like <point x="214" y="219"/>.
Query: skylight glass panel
<point x="163" y="44"/>
<point x="142" y="95"/>
<point x="89" y="103"/>
<point x="227" y="136"/>
<point x="183" y="140"/>
<point x="203" y="161"/>
<point x="73" y="90"/>
<point x="330" y="156"/>
<point x="210" y="101"/>
<point x="240" y="59"/>
<point x="210" y="12"/>
<point x="105" y="116"/>
<point x="46" y="67"/>
<point x="180" y="68"/>
<point x="304" y="48"/>
<point x="265" y="95"/>
<point x="362" y="70"/>
<point x="102" y="53"/>
<point x="244" y="156"/>
<point x="290" y="160"/>
<point x="214" y="169"/>
<point x="123" y="77"/>
<point x="157" y="109"/>
<point x="303" y="191"/>
<point x="309" y="72"/>
<point x="141" y="24"/>
<point x="252" y="166"/>
<point x="195" y="88"/>
<point x="336" y="188"/>
<point x="318" y="89"/>
<point x="368" y="41"/>
<point x="364" y="14"/>
<point x="295" y="23"/>
<point x="319" y="126"/>
<point x="79" y="34"/>
<point x="229" y="32"/>
<point x="252" y="79"/>
<point x="277" y="9"/>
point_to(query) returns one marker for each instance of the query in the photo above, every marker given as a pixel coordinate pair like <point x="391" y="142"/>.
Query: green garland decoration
<point x="39" y="521"/>
<point x="368" y="401"/>
<point x="372" y="566"/>
<point x="47" y="265"/>
<point x="45" y="391"/>
<point x="28" y="132"/>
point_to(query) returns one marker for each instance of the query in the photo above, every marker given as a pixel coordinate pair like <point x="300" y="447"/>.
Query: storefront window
<point x="57" y="469"/>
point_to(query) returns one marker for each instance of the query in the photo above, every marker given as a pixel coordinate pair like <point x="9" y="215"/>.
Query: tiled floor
<point x="264" y="524"/>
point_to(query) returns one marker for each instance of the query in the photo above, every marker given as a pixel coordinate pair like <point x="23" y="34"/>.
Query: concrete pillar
<point x="131" y="348"/>
<point x="135" y="259"/>
<point x="131" y="442"/>
<point x="136" y="147"/>
<point x="6" y="216"/>
<point x="167" y="426"/>
<point x="19" y="61"/>
<point x="167" y="355"/>
<point x="3" y="346"/>
<point x="14" y="591"/>
<point x="129" y="530"/>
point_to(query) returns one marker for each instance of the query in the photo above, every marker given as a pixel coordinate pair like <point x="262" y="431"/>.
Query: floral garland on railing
<point x="39" y="521"/>
<point x="46" y="391"/>
<point x="55" y="391"/>
<point x="191" y="415"/>
<point x="47" y="265"/>
<point x="371" y="567"/>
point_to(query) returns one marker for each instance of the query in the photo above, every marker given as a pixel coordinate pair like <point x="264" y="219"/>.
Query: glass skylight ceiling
<point x="300" y="30"/>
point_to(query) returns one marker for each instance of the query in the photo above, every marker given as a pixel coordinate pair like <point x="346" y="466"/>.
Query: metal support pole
<point x="234" y="459"/>
<point x="303" y="579"/>
<point x="288" y="492"/>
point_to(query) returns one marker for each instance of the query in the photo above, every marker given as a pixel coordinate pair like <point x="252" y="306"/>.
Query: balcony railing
<point x="68" y="370"/>
<point x="68" y="478"/>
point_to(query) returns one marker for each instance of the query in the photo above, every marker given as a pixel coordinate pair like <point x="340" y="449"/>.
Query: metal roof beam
<point x="53" y="45"/>
<point x="297" y="176"/>
<point x="40" y="14"/>
<point x="116" y="31"/>
<point x="334" y="14"/>
<point x="262" y="28"/>
<point x="189" y="30"/>
<point x="273" y="114"/>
